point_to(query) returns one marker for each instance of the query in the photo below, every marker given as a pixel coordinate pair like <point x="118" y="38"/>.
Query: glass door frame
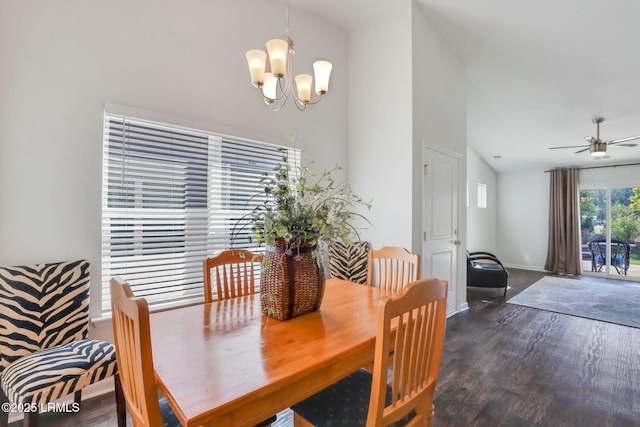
<point x="608" y="274"/>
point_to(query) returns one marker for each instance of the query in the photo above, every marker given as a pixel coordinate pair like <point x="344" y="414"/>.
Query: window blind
<point x="172" y="197"/>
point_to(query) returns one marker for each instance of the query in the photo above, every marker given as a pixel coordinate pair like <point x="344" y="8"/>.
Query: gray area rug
<point x="584" y="298"/>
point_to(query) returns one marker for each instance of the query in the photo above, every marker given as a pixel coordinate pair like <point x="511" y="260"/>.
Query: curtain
<point x="564" y="253"/>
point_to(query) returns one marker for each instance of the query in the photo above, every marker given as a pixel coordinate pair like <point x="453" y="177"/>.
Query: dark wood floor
<point x="508" y="365"/>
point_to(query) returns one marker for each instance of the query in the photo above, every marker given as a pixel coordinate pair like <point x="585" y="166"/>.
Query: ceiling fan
<point x="596" y="146"/>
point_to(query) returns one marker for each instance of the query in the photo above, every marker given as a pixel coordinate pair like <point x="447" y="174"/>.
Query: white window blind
<point x="171" y="197"/>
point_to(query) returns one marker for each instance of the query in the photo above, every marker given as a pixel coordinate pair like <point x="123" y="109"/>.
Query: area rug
<point x="584" y="298"/>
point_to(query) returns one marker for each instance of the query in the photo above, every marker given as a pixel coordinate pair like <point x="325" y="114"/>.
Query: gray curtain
<point x="564" y="253"/>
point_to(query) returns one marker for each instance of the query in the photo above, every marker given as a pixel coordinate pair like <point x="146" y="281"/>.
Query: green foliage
<point x="587" y="207"/>
<point x="621" y="196"/>
<point x="624" y="223"/>
<point x="302" y="208"/>
<point x="271" y="298"/>
<point x="634" y="200"/>
<point x="593" y="202"/>
<point x="588" y="211"/>
<point x="586" y="223"/>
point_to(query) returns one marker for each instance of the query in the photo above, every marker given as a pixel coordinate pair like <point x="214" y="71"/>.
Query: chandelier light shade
<point x="303" y="84"/>
<point x="269" y="87"/>
<point x="322" y="70"/>
<point x="256" y="60"/>
<point x="278" y="50"/>
<point x="276" y="84"/>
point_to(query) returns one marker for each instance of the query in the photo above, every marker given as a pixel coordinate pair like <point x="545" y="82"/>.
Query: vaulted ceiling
<point x="537" y="73"/>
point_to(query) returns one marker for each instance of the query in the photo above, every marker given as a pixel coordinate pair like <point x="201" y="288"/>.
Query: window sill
<point x="101" y="322"/>
<point x="105" y="320"/>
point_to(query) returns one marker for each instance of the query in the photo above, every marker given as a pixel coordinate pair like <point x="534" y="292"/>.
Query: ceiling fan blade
<point x="618" y="141"/>
<point x="582" y="151"/>
<point x="569" y="146"/>
<point x="590" y="139"/>
<point x="622" y="145"/>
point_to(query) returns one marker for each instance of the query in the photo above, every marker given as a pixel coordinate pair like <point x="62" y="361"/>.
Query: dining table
<point x="226" y="364"/>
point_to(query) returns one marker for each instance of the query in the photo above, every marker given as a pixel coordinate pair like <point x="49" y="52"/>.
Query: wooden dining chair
<point x="409" y="343"/>
<point x="235" y="273"/>
<point x="392" y="268"/>
<point x="132" y="337"/>
<point x="130" y="319"/>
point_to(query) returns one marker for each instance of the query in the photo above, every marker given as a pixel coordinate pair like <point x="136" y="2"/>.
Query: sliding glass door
<point x="610" y="224"/>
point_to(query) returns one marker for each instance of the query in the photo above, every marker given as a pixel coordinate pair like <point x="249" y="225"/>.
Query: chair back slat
<point x="392" y="268"/>
<point x="134" y="354"/>
<point x="43" y="305"/>
<point x="410" y="341"/>
<point x="235" y="273"/>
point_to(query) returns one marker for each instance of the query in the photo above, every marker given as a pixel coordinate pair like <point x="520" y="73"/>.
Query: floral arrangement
<point x="302" y="209"/>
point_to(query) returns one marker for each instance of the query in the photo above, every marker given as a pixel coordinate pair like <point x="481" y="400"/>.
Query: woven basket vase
<point x="292" y="283"/>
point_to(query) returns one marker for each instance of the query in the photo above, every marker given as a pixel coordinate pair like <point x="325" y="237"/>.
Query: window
<point x="171" y="197"/>
<point x="482" y="195"/>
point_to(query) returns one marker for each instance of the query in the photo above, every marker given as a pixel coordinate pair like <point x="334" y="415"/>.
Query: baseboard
<point x="526" y="267"/>
<point x="94" y="390"/>
<point x="463" y="307"/>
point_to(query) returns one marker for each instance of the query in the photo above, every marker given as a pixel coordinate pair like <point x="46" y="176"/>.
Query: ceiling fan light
<point x="598" y="148"/>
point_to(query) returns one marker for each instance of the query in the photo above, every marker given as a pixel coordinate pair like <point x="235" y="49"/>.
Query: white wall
<point x="415" y="97"/>
<point x="622" y="176"/>
<point x="61" y="61"/>
<point x="523" y="218"/>
<point x="380" y="116"/>
<point x="481" y="222"/>
<point x="440" y="123"/>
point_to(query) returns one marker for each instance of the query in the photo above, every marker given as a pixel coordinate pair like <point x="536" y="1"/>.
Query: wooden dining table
<point x="226" y="364"/>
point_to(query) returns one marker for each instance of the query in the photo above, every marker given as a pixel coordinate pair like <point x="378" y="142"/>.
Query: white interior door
<point x="440" y="245"/>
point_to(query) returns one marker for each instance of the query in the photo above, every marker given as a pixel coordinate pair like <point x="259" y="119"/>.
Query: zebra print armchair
<point x="349" y="262"/>
<point x="44" y="350"/>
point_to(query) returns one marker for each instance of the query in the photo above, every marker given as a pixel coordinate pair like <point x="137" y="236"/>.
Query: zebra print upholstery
<point x="48" y="374"/>
<point x="42" y="306"/>
<point x="349" y="262"/>
<point x="44" y="323"/>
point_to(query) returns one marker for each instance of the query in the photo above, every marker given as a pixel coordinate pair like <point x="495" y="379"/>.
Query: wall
<point x="523" y="210"/>
<point x="481" y="222"/>
<point x="60" y="63"/>
<point x="440" y="123"/>
<point x="380" y="115"/>
<point x="622" y="176"/>
<point x="415" y="97"/>
<point x="523" y="218"/>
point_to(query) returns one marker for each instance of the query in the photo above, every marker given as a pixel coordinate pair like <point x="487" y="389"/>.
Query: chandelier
<point x="277" y="85"/>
